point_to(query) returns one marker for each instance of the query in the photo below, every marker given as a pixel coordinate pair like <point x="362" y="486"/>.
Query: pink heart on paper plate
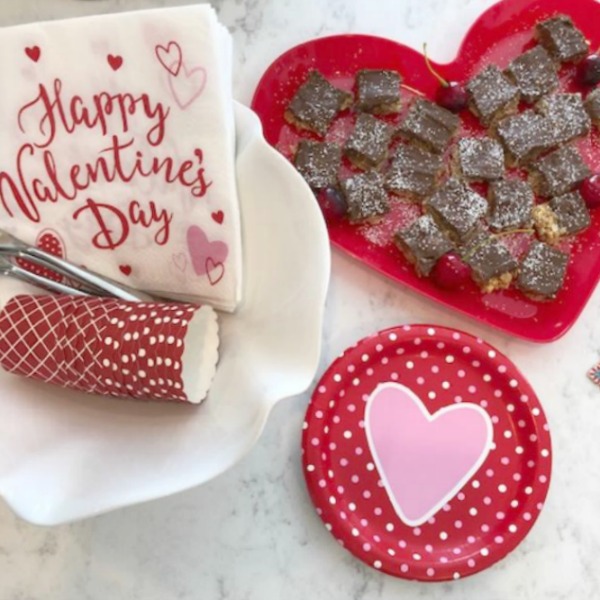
<point x="424" y="459"/>
<point x="206" y="255"/>
<point x="170" y="57"/>
<point x="187" y="86"/>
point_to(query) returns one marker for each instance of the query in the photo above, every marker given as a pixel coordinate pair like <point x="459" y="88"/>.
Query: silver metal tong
<point x="88" y="283"/>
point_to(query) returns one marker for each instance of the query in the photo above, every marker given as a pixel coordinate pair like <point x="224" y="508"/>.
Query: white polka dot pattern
<point x="97" y="345"/>
<point x="492" y="512"/>
<point x="50" y="242"/>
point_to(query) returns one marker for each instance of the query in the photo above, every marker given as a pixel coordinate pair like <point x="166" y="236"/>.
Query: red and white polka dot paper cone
<point x="143" y="350"/>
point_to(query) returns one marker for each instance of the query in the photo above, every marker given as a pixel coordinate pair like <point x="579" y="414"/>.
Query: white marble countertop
<point x="252" y="533"/>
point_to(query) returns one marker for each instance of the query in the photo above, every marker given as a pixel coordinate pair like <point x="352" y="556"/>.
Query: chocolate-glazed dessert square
<point x="592" y="105"/>
<point x="534" y="73"/>
<point x="479" y="159"/>
<point x="423" y="243"/>
<point x="316" y="104"/>
<point x="568" y="116"/>
<point x="492" y="95"/>
<point x="562" y="216"/>
<point x="558" y="172"/>
<point x="492" y="266"/>
<point x="511" y="202"/>
<point x="430" y="125"/>
<point x="414" y="172"/>
<point x="457" y="209"/>
<point x="367" y="146"/>
<point x="366" y="197"/>
<point x="562" y="39"/>
<point x="542" y="272"/>
<point x="318" y="163"/>
<point x="378" y="91"/>
<point x="525" y="136"/>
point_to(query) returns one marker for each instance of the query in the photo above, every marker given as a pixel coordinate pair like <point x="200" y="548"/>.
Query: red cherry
<point x="590" y="191"/>
<point x="588" y="70"/>
<point x="452" y="96"/>
<point x="333" y="204"/>
<point x="450" y="272"/>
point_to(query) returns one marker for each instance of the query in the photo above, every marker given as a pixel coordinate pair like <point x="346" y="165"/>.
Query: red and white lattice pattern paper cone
<point x="143" y="350"/>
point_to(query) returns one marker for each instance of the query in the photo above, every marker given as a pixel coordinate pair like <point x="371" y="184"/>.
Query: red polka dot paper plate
<point x="426" y="453"/>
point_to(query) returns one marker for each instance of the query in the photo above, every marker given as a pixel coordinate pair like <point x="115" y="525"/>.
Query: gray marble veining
<point x="252" y="533"/>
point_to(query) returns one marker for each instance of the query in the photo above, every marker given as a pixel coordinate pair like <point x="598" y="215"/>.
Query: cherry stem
<point x="430" y="68"/>
<point x="412" y="89"/>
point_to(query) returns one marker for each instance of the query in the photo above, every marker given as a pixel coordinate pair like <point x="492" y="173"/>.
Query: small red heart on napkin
<point x="34" y="53"/>
<point x="125" y="269"/>
<point x="115" y="62"/>
<point x="218" y="217"/>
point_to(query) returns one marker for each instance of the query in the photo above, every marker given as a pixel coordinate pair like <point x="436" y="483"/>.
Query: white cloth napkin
<point x="118" y="148"/>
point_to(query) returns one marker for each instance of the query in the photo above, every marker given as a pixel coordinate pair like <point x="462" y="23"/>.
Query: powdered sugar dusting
<point x="526" y="135"/>
<point x="365" y="196"/>
<point x="511" y="205"/>
<point x="491" y="92"/>
<point x="414" y="171"/>
<point x="559" y="172"/>
<point x="458" y="207"/>
<point x="481" y="158"/>
<point x="401" y="215"/>
<point x="368" y="143"/>
<point x="535" y="74"/>
<point x="543" y="270"/>
<point x="567" y="115"/>
<point x="562" y="39"/>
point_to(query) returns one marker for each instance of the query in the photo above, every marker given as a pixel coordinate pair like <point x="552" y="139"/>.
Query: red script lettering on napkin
<point x="52" y="113"/>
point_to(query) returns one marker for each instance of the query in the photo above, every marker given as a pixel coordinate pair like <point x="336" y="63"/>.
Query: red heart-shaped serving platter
<point x="498" y="36"/>
<point x="397" y="515"/>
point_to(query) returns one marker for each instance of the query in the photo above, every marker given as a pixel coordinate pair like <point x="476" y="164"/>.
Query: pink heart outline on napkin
<point x="187" y="86"/>
<point x="205" y="255"/>
<point x="180" y="261"/>
<point x="170" y="61"/>
<point x="424" y="459"/>
<point x="215" y="271"/>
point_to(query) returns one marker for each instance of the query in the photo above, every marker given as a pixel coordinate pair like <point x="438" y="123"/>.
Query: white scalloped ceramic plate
<point x="66" y="455"/>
